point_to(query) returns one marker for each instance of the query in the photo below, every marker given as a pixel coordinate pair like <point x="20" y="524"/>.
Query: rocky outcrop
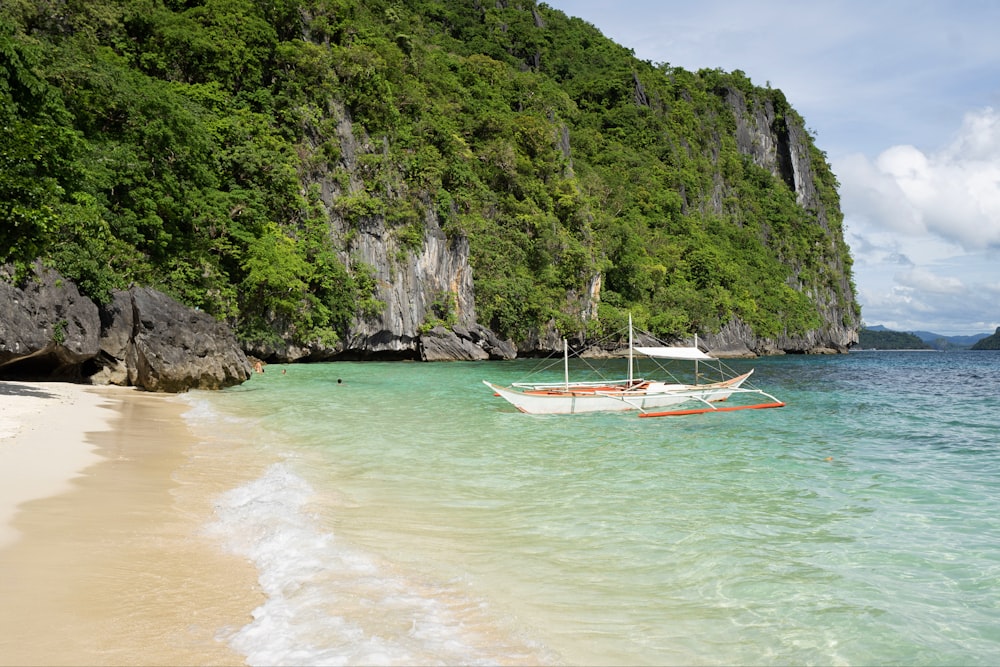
<point x="737" y="339"/>
<point x="173" y="348"/>
<point x="411" y="284"/>
<point x="47" y="328"/>
<point x="117" y="327"/>
<point x="776" y="144"/>
<point x="440" y="344"/>
<point x="460" y="344"/>
<point x="141" y="338"/>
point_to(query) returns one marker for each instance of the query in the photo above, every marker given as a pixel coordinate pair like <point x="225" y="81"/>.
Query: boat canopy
<point x="687" y="353"/>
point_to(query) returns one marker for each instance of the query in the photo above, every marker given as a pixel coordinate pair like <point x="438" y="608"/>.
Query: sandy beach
<point x="103" y="555"/>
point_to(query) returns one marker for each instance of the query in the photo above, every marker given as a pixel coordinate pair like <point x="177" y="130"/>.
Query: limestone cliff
<point x="780" y="144"/>
<point x="412" y="281"/>
<point x="414" y="285"/>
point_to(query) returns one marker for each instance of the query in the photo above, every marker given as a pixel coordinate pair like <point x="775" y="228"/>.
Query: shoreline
<point x="103" y="550"/>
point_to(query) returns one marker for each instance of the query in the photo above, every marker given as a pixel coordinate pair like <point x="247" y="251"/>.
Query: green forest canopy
<point x="186" y="145"/>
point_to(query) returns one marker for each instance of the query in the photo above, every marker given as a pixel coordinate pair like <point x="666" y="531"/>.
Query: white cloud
<point x="953" y="194"/>
<point x="928" y="283"/>
<point x="924" y="229"/>
<point x="870" y="192"/>
<point x="935" y="296"/>
<point x="979" y="139"/>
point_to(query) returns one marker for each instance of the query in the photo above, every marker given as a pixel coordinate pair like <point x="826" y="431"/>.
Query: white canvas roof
<point x="688" y="353"/>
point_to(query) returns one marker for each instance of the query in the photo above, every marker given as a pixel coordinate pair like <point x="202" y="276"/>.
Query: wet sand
<point x="104" y="559"/>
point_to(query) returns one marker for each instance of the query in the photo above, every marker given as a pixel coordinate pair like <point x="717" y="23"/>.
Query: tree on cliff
<point x="229" y="152"/>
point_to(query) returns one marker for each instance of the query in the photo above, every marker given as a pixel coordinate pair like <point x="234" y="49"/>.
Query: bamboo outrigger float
<point x="648" y="397"/>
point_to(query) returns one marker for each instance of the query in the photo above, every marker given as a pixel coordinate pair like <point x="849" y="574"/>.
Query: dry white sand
<point x="43" y="443"/>
<point x="103" y="558"/>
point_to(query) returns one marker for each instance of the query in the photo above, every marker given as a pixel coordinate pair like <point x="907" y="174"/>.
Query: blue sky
<point x="903" y="97"/>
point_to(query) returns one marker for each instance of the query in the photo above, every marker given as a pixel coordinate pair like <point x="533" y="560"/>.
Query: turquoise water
<point x="408" y="516"/>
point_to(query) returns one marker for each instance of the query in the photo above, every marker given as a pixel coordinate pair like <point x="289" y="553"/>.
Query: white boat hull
<point x="579" y="399"/>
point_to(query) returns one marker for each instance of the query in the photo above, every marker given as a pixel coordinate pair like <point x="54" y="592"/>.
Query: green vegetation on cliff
<point x="226" y="151"/>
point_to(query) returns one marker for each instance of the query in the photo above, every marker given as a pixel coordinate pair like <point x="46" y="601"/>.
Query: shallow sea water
<point x="408" y="516"/>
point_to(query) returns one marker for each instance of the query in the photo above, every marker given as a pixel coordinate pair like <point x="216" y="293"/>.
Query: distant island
<point x="989" y="343"/>
<point x="873" y="339"/>
<point x="879" y="338"/>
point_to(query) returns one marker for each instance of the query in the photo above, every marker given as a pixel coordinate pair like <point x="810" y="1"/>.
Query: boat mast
<point x="696" y="375"/>
<point x="630" y="349"/>
<point x="566" y="363"/>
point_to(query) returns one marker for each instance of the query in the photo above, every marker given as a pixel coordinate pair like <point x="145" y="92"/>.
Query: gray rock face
<point x="47" y="328"/>
<point x="414" y="283"/>
<point x="174" y="348"/>
<point x="461" y="344"/>
<point x="782" y="147"/>
<point x="409" y="288"/>
<point x="116" y="336"/>
<point x="736" y="339"/>
<point x="142" y="338"/>
<point x="439" y="344"/>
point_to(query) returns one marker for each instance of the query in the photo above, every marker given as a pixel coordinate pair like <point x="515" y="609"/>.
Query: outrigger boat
<point x="648" y="397"/>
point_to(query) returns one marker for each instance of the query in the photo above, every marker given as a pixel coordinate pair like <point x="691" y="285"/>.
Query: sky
<point x="903" y="96"/>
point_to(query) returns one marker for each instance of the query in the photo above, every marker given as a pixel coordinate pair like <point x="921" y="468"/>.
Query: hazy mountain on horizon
<point x="935" y="339"/>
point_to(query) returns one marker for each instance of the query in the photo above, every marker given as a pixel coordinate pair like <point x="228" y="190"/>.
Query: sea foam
<point x="329" y="603"/>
